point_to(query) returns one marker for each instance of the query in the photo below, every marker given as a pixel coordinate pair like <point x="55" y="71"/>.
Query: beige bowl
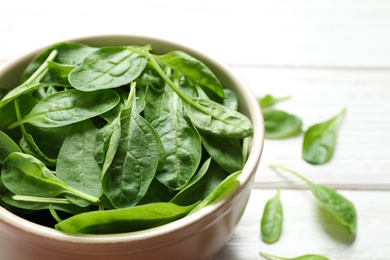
<point x="198" y="236"/>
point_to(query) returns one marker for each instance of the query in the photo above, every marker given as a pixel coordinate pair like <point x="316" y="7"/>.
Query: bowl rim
<point x="245" y="178"/>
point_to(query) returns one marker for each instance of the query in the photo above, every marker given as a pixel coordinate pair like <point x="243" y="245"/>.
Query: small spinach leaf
<point x="227" y="152"/>
<point x="320" y="140"/>
<point x="268" y="100"/>
<point x="192" y="68"/>
<point x="7" y="146"/>
<point x="272" y="220"/>
<point x="279" y="124"/>
<point x="303" y="257"/>
<point x="338" y="206"/>
<point x="23" y="174"/>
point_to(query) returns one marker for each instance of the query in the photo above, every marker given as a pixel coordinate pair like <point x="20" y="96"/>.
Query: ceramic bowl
<point x="198" y="236"/>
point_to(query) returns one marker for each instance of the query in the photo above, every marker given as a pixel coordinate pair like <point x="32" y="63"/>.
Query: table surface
<point x="325" y="55"/>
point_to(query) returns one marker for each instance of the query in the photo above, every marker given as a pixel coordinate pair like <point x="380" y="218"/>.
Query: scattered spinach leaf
<point x="338" y="206"/>
<point x="269" y="100"/>
<point x="272" y="220"/>
<point x="279" y="124"/>
<point x="320" y="140"/>
<point x="303" y="257"/>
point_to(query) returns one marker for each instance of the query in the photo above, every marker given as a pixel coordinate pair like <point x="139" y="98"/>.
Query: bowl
<point x="197" y="236"/>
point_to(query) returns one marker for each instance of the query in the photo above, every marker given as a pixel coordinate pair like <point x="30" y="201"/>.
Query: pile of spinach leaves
<point x="117" y="139"/>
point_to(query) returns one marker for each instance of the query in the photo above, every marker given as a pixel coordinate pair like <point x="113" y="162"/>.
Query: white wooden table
<point x="326" y="55"/>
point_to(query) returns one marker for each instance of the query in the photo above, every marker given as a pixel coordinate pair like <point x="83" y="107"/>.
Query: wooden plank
<point x="361" y="158"/>
<point x="307" y="228"/>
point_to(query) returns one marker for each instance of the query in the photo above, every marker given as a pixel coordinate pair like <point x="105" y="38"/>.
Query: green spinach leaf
<point x="338" y="206"/>
<point x="138" y="149"/>
<point x="279" y="124"/>
<point x="182" y="144"/>
<point x="23" y="174"/>
<point x="76" y="165"/>
<point x="303" y="257"/>
<point x="192" y="68"/>
<point x="108" y="67"/>
<point x="124" y="220"/>
<point x="320" y="140"/>
<point x="68" y="107"/>
<point x="272" y="220"/>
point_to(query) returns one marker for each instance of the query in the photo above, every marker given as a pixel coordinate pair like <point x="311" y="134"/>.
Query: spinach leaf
<point x="207" y="115"/>
<point x="157" y="103"/>
<point x="269" y="101"/>
<point x="23" y="174"/>
<point x="303" y="257"/>
<point x="216" y="119"/>
<point x="272" y="220"/>
<point x="182" y="145"/>
<point x="68" y="107"/>
<point x="227" y="152"/>
<point x="124" y="220"/>
<point x="191" y="68"/>
<point x="138" y="150"/>
<point x="76" y="165"/>
<point x="108" y="67"/>
<point x="57" y="74"/>
<point x="338" y="206"/>
<point x="279" y="124"/>
<point x="7" y="146"/>
<point x="320" y="140"/>
<point x="230" y="99"/>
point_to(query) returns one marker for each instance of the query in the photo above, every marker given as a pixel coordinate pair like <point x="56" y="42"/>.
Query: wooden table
<point x="326" y="55"/>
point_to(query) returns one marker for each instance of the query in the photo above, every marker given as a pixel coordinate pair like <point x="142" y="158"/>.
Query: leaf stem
<point x="54" y="214"/>
<point x="41" y="71"/>
<point x="275" y="167"/>
<point x="81" y="194"/>
<point x="41" y="199"/>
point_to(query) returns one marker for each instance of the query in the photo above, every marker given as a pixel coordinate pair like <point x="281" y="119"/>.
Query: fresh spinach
<point x="118" y="136"/>
<point x="278" y="124"/>
<point x="23" y="174"/>
<point x="7" y="146"/>
<point x="269" y="100"/>
<point x="69" y="107"/>
<point x="320" y="140"/>
<point x="182" y="145"/>
<point x="272" y="220"/>
<point x="124" y="220"/>
<point x="76" y="165"/>
<point x="303" y="257"/>
<point x="338" y="206"/>
<point x="138" y="150"/>
<point x="107" y="67"/>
